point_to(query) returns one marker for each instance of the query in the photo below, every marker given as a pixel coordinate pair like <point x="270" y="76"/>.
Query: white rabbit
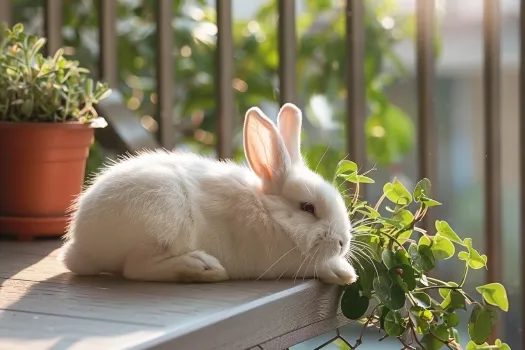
<point x="180" y="217"/>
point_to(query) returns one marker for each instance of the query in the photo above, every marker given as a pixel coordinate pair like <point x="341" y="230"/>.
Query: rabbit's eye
<point x="309" y="207"/>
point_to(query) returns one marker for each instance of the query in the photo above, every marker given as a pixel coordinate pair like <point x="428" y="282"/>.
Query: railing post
<point x="355" y="83"/>
<point x="521" y="137"/>
<point x="287" y="52"/>
<point x="108" y="42"/>
<point x="5" y="12"/>
<point x="427" y="149"/>
<point x="224" y="71"/>
<point x="165" y="73"/>
<point x="53" y="25"/>
<point x="492" y="129"/>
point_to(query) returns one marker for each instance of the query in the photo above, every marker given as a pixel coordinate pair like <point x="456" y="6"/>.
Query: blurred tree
<point x="321" y="68"/>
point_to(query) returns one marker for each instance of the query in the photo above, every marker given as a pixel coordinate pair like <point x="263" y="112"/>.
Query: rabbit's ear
<point x="289" y="120"/>
<point x="264" y="148"/>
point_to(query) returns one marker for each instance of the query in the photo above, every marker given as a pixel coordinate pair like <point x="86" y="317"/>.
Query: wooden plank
<point x="40" y="248"/>
<point x="26" y="330"/>
<point x="127" y="307"/>
<point x="232" y="315"/>
<point x="253" y="323"/>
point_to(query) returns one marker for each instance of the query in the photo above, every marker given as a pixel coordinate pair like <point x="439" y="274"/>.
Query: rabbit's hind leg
<point x="191" y="267"/>
<point x="76" y="260"/>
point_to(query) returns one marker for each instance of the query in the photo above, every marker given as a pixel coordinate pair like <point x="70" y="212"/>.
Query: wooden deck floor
<point x="42" y="306"/>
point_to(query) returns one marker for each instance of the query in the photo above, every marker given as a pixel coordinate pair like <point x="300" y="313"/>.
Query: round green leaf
<point x="479" y="325"/>
<point x="451" y="320"/>
<point x="475" y="260"/>
<point x="365" y="179"/>
<point x="389" y="258"/>
<point x="345" y="166"/>
<point x="384" y="312"/>
<point x="353" y="306"/>
<point x="463" y="256"/>
<point x="502" y="346"/>
<point x="424" y="314"/>
<point x="454" y="301"/>
<point x="404" y="216"/>
<point x="431" y="342"/>
<point x="397" y="193"/>
<point x="444" y="229"/>
<point x="495" y="294"/>
<point x="453" y="333"/>
<point x="407" y="275"/>
<point x="389" y="293"/>
<point x="422" y="257"/>
<point x="445" y="291"/>
<point x="367" y="270"/>
<point x="473" y="346"/>
<point x="422" y="189"/>
<point x="422" y="299"/>
<point x="402" y="257"/>
<point x="442" y="248"/>
<point x="420" y="318"/>
<point x="404" y="236"/>
<point x="394" y="324"/>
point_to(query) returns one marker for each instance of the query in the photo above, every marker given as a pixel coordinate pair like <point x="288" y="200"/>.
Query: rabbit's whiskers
<point x="282" y="256"/>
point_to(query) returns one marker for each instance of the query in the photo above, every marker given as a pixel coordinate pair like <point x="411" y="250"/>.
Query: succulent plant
<point x="34" y="88"/>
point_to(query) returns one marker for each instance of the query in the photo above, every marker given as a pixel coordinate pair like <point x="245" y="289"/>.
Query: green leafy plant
<point x="394" y="291"/>
<point x="34" y="88"/>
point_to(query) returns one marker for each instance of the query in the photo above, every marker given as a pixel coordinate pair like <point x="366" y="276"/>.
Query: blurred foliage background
<point x="320" y="66"/>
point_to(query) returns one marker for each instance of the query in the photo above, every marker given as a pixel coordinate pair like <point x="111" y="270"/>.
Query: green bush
<point x="394" y="291"/>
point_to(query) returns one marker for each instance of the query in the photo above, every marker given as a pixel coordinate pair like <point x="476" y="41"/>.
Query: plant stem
<point x="438" y="287"/>
<point x="406" y="346"/>
<point x="356" y="194"/>
<point x="464" y="278"/>
<point x="380" y="201"/>
<point x="359" y="341"/>
<point x="414" y="334"/>
<point x="444" y="286"/>
<point x="393" y="239"/>
<point x="445" y="342"/>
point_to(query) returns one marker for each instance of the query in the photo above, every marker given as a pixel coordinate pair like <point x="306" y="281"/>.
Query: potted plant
<point x="46" y="128"/>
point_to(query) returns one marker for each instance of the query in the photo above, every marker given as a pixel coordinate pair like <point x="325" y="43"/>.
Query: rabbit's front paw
<point x="199" y="266"/>
<point x="337" y="271"/>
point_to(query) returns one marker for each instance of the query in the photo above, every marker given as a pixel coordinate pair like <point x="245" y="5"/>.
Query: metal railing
<point x="132" y="136"/>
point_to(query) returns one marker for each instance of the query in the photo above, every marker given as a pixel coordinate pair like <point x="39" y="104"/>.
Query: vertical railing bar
<point x="165" y="73"/>
<point x="427" y="157"/>
<point x="53" y="25"/>
<point x="355" y="83"/>
<point x="108" y="42"/>
<point x="521" y="137"/>
<point x="287" y="52"/>
<point x="5" y="12"/>
<point x="224" y="71"/>
<point x="492" y="104"/>
<point x="492" y="130"/>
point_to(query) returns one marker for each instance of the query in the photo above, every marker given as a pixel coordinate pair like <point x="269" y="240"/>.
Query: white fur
<point x="173" y="216"/>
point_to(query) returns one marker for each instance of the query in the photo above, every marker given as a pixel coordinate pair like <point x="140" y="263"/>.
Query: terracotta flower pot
<point x="41" y="171"/>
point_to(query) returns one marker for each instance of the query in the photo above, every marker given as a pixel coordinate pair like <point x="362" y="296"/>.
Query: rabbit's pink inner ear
<point x="290" y="121"/>
<point x="263" y="146"/>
